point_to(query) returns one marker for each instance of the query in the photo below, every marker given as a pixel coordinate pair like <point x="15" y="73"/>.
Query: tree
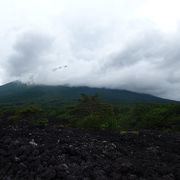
<point x="93" y="113"/>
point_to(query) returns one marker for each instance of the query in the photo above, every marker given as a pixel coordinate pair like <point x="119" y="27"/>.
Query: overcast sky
<point x="124" y="44"/>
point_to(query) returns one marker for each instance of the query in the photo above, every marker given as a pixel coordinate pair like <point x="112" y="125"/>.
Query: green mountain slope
<point x="17" y="92"/>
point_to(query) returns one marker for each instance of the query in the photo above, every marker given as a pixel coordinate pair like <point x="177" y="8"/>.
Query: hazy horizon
<point x="116" y="44"/>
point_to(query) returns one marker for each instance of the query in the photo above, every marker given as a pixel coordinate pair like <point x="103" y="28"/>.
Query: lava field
<point x="74" y="154"/>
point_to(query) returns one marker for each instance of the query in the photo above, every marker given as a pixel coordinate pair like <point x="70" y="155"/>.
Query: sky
<point x="118" y="44"/>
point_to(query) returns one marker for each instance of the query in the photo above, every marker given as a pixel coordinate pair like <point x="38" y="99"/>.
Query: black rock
<point x="66" y="153"/>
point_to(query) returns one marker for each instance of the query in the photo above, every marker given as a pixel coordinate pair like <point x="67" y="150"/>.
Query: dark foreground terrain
<point x="65" y="153"/>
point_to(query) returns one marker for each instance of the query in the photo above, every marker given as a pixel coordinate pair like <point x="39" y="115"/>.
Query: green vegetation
<point x="91" y="112"/>
<point x="24" y="115"/>
<point x="40" y="105"/>
<point x="18" y="93"/>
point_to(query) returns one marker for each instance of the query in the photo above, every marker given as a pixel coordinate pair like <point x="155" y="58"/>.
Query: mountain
<point x="17" y="92"/>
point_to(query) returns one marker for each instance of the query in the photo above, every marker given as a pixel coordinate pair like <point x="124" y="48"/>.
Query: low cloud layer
<point x="106" y="48"/>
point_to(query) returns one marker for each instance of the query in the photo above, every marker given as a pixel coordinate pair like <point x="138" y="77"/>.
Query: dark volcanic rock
<point x="72" y="154"/>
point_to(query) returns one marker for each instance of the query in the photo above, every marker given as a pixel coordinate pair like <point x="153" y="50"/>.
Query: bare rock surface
<point x="73" y="154"/>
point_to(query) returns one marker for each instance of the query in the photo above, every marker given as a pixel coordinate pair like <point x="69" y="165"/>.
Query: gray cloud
<point x="148" y="64"/>
<point x="28" y="53"/>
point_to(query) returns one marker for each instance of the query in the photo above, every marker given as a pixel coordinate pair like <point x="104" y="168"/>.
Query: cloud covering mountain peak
<point x="114" y="44"/>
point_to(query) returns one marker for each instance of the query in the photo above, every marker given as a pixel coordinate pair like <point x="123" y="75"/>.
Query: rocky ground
<point x="65" y="153"/>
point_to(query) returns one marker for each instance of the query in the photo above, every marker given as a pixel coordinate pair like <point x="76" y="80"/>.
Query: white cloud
<point x="163" y="13"/>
